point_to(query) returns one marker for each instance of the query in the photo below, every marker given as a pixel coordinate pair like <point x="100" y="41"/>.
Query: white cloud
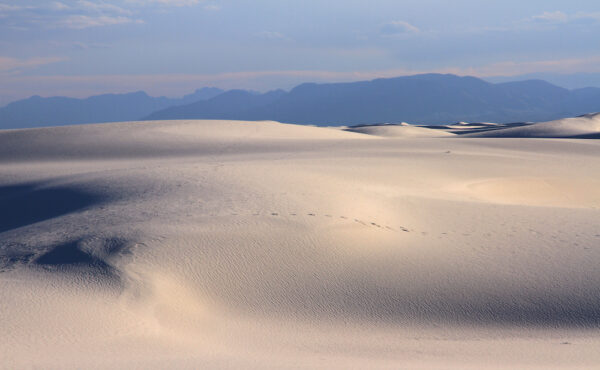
<point x="398" y="28"/>
<point x="102" y="7"/>
<point x="85" y="21"/>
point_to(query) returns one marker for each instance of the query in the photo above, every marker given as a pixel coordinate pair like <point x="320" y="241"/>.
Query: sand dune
<point x="584" y="127"/>
<point x="397" y="131"/>
<point x="221" y="244"/>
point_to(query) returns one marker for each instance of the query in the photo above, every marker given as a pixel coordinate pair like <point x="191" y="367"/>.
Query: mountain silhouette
<point x="57" y="111"/>
<point x="419" y="99"/>
<point x="233" y="104"/>
<point x="427" y="98"/>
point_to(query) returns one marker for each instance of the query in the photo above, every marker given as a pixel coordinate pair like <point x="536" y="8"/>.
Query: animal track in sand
<point x="327" y="215"/>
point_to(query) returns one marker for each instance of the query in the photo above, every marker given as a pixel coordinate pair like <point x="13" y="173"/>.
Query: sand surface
<point x="214" y="244"/>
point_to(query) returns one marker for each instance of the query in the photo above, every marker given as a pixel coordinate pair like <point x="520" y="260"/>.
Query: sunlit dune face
<point x="533" y="191"/>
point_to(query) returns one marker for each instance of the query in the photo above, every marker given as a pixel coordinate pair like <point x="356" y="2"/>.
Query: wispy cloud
<point x="86" y="21"/>
<point x="212" y="7"/>
<point x="176" y="3"/>
<point x="102" y="7"/>
<point x="398" y="28"/>
<point x="513" y="68"/>
<point x="558" y="17"/>
<point x="271" y="35"/>
<point x="79" y="14"/>
<point x="15" y="65"/>
<point x="10" y="8"/>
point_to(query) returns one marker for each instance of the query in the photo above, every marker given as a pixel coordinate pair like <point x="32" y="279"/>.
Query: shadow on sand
<point x="26" y="204"/>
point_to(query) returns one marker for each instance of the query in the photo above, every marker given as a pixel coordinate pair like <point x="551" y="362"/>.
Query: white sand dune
<point x="585" y="127"/>
<point x="471" y="126"/>
<point x="398" y="131"/>
<point x="214" y="244"/>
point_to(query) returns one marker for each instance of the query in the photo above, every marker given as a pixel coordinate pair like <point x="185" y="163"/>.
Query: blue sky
<point x="170" y="47"/>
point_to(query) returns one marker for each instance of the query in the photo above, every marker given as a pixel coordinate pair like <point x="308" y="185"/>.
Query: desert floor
<point x="217" y="244"/>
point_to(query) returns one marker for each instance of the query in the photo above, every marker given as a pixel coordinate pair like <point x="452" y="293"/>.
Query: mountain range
<point x="425" y="99"/>
<point x="58" y="111"/>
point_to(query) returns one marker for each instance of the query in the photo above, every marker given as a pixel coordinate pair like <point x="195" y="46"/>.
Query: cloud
<point x="102" y="7"/>
<point x="175" y="3"/>
<point x="56" y="5"/>
<point x="80" y="14"/>
<point x="512" y="68"/>
<point x="558" y="17"/>
<point x="398" y="28"/>
<point x="85" y="21"/>
<point x="212" y="7"/>
<point x="15" y="65"/>
<point x="270" y="35"/>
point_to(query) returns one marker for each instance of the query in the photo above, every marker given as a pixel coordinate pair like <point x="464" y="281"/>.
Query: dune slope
<point x="258" y="244"/>
<point x="583" y="127"/>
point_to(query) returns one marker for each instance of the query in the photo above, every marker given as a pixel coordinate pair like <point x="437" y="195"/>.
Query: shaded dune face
<point x="26" y="204"/>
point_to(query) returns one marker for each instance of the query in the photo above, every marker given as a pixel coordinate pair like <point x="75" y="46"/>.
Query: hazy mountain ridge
<point x="234" y="103"/>
<point x="566" y="80"/>
<point x="426" y="99"/>
<point x="37" y="111"/>
<point x="429" y="98"/>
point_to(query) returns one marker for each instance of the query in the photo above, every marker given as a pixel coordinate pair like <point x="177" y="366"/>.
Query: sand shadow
<point x="68" y="254"/>
<point x="89" y="255"/>
<point x="29" y="203"/>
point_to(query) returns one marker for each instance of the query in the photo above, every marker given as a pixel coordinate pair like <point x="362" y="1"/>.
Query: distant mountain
<point x="233" y="104"/>
<point x="56" y="111"/>
<point x="425" y="99"/>
<point x="428" y="98"/>
<point x="566" y="80"/>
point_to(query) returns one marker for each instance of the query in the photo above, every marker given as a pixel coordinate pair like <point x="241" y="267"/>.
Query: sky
<point x="171" y="47"/>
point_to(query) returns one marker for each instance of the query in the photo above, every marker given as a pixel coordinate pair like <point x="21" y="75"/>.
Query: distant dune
<point x="584" y="127"/>
<point x="402" y="130"/>
<point x="230" y="244"/>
